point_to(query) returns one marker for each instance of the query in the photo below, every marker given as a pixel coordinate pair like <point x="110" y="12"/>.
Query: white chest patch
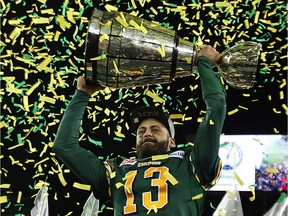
<point x="179" y="154"/>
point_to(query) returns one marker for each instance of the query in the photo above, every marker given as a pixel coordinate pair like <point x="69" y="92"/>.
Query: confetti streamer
<point x="170" y="178"/>
<point x="154" y="208"/>
<point x="91" y="206"/>
<point x="199" y="196"/>
<point x="161" y="50"/>
<point x="81" y="186"/>
<point x="230" y="204"/>
<point x="41" y="206"/>
<point x="3" y="199"/>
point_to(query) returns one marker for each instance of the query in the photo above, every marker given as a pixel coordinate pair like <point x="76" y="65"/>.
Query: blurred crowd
<point x="272" y="177"/>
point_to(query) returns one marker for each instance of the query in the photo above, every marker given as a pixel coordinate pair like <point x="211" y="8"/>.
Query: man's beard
<point x="153" y="148"/>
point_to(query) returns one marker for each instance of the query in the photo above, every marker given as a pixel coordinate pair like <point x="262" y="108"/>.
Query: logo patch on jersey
<point x="178" y="154"/>
<point x="149" y="163"/>
<point x="129" y="162"/>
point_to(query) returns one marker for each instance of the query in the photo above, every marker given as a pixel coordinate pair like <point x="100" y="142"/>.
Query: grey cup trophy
<point x="123" y="51"/>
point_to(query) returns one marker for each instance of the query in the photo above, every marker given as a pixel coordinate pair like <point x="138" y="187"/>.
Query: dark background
<point x="27" y="133"/>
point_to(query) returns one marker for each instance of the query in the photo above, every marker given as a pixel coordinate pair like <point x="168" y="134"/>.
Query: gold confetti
<point x="153" y="207"/>
<point x="42" y="161"/>
<point x="118" y="133"/>
<point x="106" y="25"/>
<point x="198" y="196"/>
<point x="122" y="21"/>
<point x="242" y="107"/>
<point x="238" y="179"/>
<point x="63" y="23"/>
<point x="154" y="11"/>
<point x="110" y="8"/>
<point x="26" y="103"/>
<point x="231" y="193"/>
<point x="256" y="18"/>
<point x="15" y="33"/>
<point x="233" y="111"/>
<point x="133" y="4"/>
<point x="5" y="186"/>
<point x="44" y="63"/>
<point x="176" y="116"/>
<point x="271" y="170"/>
<point x="155" y="97"/>
<point x="82" y="186"/>
<point x="161" y="50"/>
<point x="15" y="146"/>
<point x="41" y="20"/>
<point x="3" y="5"/>
<point x="49" y="11"/>
<point x="98" y="58"/>
<point x="70" y="16"/>
<point x="116" y="67"/>
<point x="226" y="4"/>
<point x="112" y="175"/>
<point x="253" y="194"/>
<point x="32" y="88"/>
<point x="119" y="184"/>
<point x="221" y="213"/>
<point x="3" y="199"/>
<point x="104" y="37"/>
<point x="19" y="197"/>
<point x="271" y="29"/>
<point x="276" y="111"/>
<point x="246" y="23"/>
<point x="159" y="157"/>
<point x="170" y="178"/>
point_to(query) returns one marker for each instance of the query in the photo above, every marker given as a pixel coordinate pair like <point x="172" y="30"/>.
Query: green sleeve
<point x="207" y="139"/>
<point x="82" y="162"/>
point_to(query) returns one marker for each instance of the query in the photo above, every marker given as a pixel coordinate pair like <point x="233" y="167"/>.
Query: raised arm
<point x="82" y="162"/>
<point x="207" y="140"/>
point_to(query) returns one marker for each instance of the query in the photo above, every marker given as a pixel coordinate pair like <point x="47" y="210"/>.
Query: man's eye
<point x="141" y="132"/>
<point x="155" y="130"/>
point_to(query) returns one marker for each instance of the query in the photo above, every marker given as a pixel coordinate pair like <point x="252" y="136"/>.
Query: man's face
<point x="153" y="138"/>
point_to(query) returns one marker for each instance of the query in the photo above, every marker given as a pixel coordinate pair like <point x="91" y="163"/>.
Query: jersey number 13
<point x="148" y="203"/>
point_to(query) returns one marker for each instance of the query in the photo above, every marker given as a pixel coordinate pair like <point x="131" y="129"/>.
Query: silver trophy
<point x="123" y="51"/>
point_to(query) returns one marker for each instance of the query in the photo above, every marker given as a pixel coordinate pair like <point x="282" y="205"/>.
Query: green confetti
<point x="118" y="139"/>
<point x="282" y="197"/>
<point x="95" y="142"/>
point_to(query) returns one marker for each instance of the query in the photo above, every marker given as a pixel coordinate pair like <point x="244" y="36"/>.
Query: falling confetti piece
<point x="198" y="196"/>
<point x="161" y="50"/>
<point x="154" y="208"/>
<point x="170" y="178"/>
<point x="271" y="170"/>
<point x="82" y="186"/>
<point x="3" y="199"/>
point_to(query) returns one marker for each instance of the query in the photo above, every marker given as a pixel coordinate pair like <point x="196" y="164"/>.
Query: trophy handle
<point x="238" y="64"/>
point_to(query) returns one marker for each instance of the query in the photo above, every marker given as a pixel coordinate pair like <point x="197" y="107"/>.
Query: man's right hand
<point x="210" y="52"/>
<point x="90" y="89"/>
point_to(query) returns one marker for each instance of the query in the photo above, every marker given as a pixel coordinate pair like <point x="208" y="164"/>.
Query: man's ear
<point x="171" y="143"/>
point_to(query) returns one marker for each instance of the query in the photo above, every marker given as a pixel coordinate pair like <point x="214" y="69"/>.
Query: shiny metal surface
<point x="125" y="51"/>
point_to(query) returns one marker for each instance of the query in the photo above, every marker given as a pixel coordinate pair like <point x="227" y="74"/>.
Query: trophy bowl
<point x="238" y="64"/>
<point x="123" y="51"/>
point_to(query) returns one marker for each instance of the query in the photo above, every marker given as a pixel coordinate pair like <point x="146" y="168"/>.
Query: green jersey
<point x="170" y="184"/>
<point x="162" y="185"/>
